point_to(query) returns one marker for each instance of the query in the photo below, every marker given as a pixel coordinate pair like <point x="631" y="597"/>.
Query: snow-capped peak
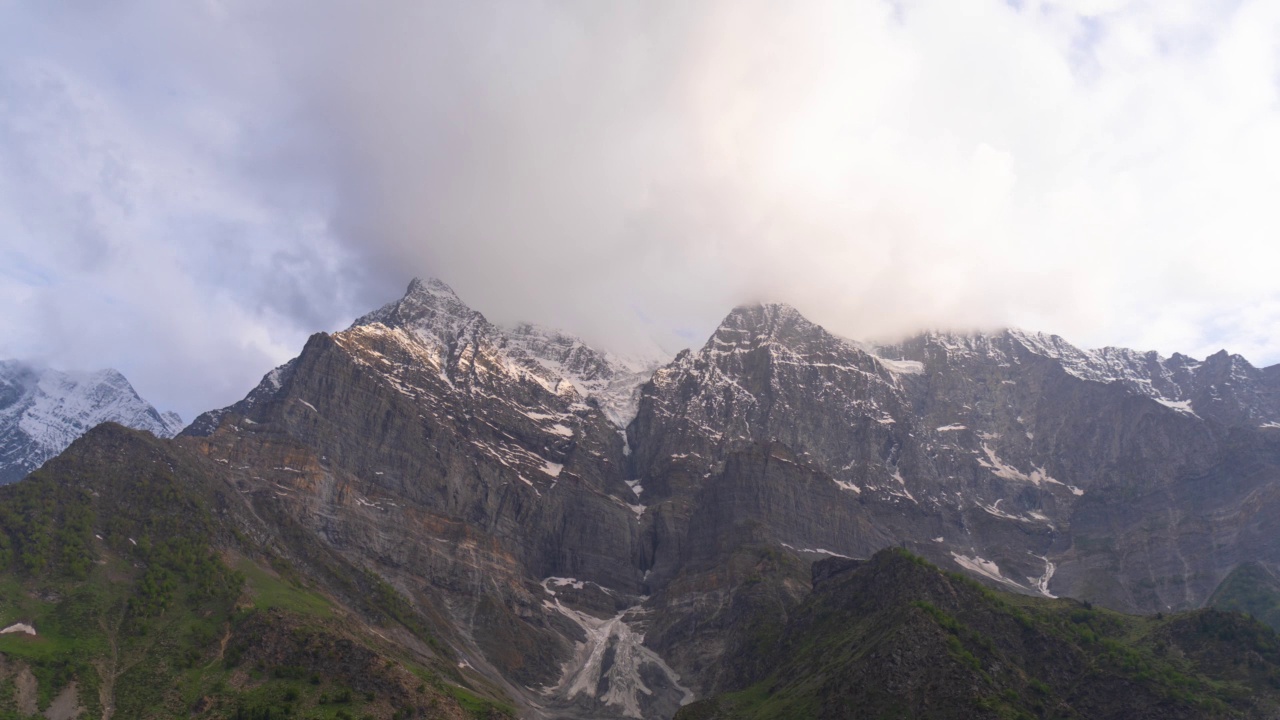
<point x="43" y="410"/>
<point x="765" y="319"/>
<point x="434" y="314"/>
<point x="784" y="332"/>
<point x="433" y="287"/>
<point x="431" y="309"/>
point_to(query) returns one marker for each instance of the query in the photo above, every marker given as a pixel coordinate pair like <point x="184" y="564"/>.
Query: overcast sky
<point x="187" y="190"/>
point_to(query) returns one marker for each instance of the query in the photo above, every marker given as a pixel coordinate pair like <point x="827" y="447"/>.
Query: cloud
<point x="238" y="175"/>
<point x="151" y="216"/>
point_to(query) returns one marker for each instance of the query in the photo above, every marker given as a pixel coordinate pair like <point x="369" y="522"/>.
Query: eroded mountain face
<point x="42" y="410"/>
<point x="484" y="474"/>
<point x="480" y="475"/>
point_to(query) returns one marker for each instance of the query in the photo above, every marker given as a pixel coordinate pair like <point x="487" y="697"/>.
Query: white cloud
<point x="1100" y="169"/>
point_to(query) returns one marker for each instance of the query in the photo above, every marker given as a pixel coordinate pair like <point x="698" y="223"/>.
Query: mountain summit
<point x="431" y="309"/>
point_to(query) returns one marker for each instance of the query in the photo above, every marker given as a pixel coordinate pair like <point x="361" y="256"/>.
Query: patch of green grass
<point x="269" y="591"/>
<point x="1250" y="589"/>
<point x="478" y="707"/>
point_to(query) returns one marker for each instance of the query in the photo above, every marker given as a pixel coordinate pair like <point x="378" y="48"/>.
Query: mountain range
<point x="533" y="526"/>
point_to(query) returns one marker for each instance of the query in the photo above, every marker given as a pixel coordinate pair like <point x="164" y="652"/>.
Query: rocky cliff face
<point x="487" y="482"/>
<point x="43" y="410"/>
<point x="597" y="539"/>
<point x="1132" y="480"/>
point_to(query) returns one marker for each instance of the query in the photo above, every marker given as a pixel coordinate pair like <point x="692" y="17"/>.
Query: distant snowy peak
<point x="43" y="410"/>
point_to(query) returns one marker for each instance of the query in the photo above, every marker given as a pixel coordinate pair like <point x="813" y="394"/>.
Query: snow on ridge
<point x="274" y="378"/>
<point x="1169" y="381"/>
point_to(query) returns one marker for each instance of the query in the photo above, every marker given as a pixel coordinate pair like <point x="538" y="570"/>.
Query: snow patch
<point x="818" y="551"/>
<point x="584" y="673"/>
<point x="1002" y="469"/>
<point x="1182" y="406"/>
<point x="951" y="428"/>
<point x="983" y="567"/>
<point x="1042" y="583"/>
<point x="902" y="367"/>
<point x="574" y="583"/>
<point x="897" y="475"/>
<point x="19" y="628"/>
<point x="995" y="510"/>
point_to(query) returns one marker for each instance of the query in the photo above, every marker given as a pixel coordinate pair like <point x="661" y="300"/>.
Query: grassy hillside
<point x="895" y="637"/>
<point x="1251" y="589"/>
<point x="148" y="601"/>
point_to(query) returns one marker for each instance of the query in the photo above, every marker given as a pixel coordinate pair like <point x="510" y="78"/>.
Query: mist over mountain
<point x="193" y="191"/>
